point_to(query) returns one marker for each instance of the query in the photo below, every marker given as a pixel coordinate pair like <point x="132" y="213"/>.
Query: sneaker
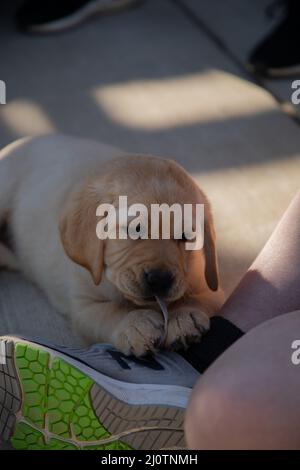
<point x="50" y="16"/>
<point x="278" y="55"/>
<point x="61" y="398"/>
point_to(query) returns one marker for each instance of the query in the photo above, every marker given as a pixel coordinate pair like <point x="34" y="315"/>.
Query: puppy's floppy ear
<point x="78" y="233"/>
<point x="210" y="251"/>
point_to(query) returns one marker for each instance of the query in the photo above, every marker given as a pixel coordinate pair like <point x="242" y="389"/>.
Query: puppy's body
<point x="36" y="175"/>
<point x="45" y="184"/>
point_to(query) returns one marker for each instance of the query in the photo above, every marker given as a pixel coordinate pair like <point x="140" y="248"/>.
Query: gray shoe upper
<point x="165" y="368"/>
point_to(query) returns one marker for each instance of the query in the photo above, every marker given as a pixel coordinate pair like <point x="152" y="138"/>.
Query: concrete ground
<point x="166" y="78"/>
<point x="238" y="25"/>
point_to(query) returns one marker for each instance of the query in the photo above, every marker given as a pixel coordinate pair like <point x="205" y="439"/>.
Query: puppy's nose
<point x="159" y="281"/>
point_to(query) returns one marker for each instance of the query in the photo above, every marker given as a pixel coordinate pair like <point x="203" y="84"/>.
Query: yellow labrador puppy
<point x="50" y="188"/>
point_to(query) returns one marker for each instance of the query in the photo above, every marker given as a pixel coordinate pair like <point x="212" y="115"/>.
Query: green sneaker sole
<point x="48" y="403"/>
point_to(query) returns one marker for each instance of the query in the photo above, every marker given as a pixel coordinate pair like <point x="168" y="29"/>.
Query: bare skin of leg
<point x="252" y="389"/>
<point x="271" y="285"/>
<point x="249" y="397"/>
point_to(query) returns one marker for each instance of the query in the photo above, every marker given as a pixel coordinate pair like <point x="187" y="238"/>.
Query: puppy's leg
<point x="132" y="331"/>
<point x="189" y="319"/>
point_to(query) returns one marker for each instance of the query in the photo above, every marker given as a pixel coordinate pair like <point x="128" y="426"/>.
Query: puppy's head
<point x="140" y="268"/>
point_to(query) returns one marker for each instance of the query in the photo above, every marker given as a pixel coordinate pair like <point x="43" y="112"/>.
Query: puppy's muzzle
<point x="159" y="282"/>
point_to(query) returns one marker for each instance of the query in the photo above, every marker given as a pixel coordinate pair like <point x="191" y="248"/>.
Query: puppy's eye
<point x="134" y="232"/>
<point x="183" y="238"/>
<point x="139" y="230"/>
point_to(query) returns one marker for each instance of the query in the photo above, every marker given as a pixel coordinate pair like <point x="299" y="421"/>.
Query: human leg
<point x="270" y="288"/>
<point x="249" y="398"/>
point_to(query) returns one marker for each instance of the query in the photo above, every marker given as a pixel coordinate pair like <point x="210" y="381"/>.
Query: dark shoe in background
<point x="278" y="55"/>
<point x="51" y="16"/>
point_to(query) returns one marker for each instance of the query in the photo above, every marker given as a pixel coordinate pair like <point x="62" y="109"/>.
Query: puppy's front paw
<point x="186" y="326"/>
<point x="139" y="333"/>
